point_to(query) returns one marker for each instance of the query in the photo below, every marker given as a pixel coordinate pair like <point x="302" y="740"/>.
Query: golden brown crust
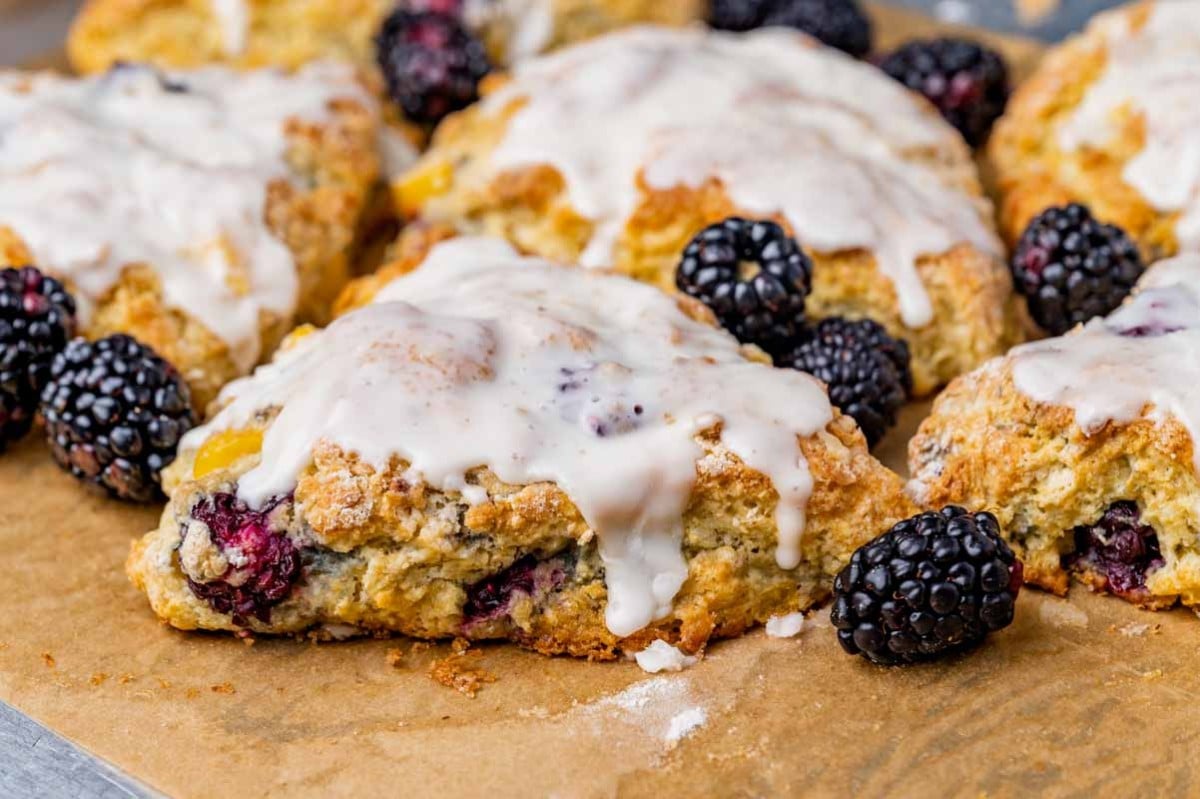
<point x="289" y="33"/>
<point x="316" y="215"/>
<point x="1034" y="173"/>
<point x="990" y="447"/>
<point x="388" y="555"/>
<point x="976" y="314"/>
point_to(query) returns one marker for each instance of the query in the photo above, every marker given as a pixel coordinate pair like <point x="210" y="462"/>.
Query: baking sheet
<point x="1080" y="697"/>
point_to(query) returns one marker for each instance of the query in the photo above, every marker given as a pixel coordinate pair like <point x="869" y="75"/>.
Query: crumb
<point x="98" y="678"/>
<point x="454" y="672"/>
<point x="192" y="693"/>
<point x="1136" y="629"/>
<point x="395" y="657"/>
<point x="48" y="659"/>
<point x="163" y="684"/>
<point x="125" y="679"/>
<point x="460" y="645"/>
<point x="3" y="645"/>
<point x="223" y="688"/>
<point x="1153" y="674"/>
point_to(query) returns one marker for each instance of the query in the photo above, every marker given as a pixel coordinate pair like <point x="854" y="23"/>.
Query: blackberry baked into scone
<point x="251" y="33"/>
<point x="501" y="447"/>
<point x="202" y="212"/>
<point x="1110" y="120"/>
<point x="617" y="151"/>
<point x="1085" y="447"/>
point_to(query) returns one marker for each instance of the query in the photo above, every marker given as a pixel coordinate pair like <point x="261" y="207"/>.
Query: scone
<point x="1085" y="446"/>
<point x="251" y="33"/>
<point x="615" y="152"/>
<point x="200" y="212"/>
<point x="501" y="447"/>
<point x="1110" y="121"/>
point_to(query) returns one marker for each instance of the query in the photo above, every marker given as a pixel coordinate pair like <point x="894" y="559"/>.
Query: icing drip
<point x="1155" y="71"/>
<point x="234" y="19"/>
<point x="529" y="24"/>
<point x="541" y="373"/>
<point x="787" y="127"/>
<point x="1143" y="360"/>
<point x="172" y="171"/>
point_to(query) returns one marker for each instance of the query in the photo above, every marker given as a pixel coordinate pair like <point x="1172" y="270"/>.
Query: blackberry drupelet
<point x="37" y="319"/>
<point x="431" y="63"/>
<point x="753" y="276"/>
<point x="1071" y="268"/>
<point x="267" y="563"/>
<point x="933" y="584"/>
<point x="965" y="80"/>
<point x="738" y="15"/>
<point x="867" y="371"/>
<point x="837" y="23"/>
<point x="115" y="413"/>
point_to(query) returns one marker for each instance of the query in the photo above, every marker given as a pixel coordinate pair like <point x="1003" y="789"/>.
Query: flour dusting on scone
<point x="201" y="212"/>
<point x="1085" y="446"/>
<point x="617" y="151"/>
<point x="1110" y="121"/>
<point x="501" y="447"/>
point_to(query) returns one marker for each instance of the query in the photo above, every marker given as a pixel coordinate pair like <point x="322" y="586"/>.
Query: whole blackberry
<point x="1071" y="268"/>
<point x="837" y="23"/>
<point x="264" y="566"/>
<point x="753" y="276"/>
<point x="431" y="63"/>
<point x="114" y="415"/>
<point x="867" y="370"/>
<point x="37" y="319"/>
<point x="933" y="584"/>
<point x="965" y="80"/>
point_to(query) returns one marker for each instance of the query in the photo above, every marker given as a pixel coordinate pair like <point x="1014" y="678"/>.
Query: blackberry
<point x="263" y="564"/>
<point x="933" y="584"/>
<point x="431" y="63"/>
<point x="114" y="415"/>
<point x="1119" y="548"/>
<point x="867" y="371"/>
<point x="837" y="23"/>
<point x="753" y="276"/>
<point x="1071" y="268"/>
<point x="37" y="319"/>
<point x="965" y="80"/>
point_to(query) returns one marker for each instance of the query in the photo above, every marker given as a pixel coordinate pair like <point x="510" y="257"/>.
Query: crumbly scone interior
<point x="392" y="542"/>
<point x="1054" y="436"/>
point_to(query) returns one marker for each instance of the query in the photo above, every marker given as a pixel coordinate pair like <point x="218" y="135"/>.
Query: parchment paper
<point x="1081" y="697"/>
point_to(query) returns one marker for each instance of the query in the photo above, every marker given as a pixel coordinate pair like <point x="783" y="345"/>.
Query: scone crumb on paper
<point x="98" y="679"/>
<point x="1136" y="629"/>
<point x="395" y="657"/>
<point x="454" y="671"/>
<point x="661" y="656"/>
<point x="786" y="626"/>
<point x="1061" y="613"/>
<point x="48" y="659"/>
<point x="223" y="688"/>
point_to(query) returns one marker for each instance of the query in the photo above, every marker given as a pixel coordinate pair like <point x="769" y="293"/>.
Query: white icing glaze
<point x="530" y="24"/>
<point x="540" y="372"/>
<point x="101" y="173"/>
<point x="234" y="19"/>
<point x="1105" y="376"/>
<point x="1154" y="71"/>
<point x="786" y="126"/>
<point x="661" y="656"/>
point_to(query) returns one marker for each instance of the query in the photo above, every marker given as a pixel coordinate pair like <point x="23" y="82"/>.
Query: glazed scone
<point x="1109" y="120"/>
<point x="289" y="33"/>
<point x="202" y="213"/>
<point x="615" y="152"/>
<point x="502" y="447"/>
<point x="1085" y="446"/>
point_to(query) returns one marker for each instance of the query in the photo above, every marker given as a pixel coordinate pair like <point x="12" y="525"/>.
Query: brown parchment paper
<point x="1081" y="697"/>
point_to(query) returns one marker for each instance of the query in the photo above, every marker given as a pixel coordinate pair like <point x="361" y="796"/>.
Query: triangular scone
<point x="499" y="447"/>
<point x="1109" y="120"/>
<point x="616" y="152"/>
<point x="1084" y="446"/>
